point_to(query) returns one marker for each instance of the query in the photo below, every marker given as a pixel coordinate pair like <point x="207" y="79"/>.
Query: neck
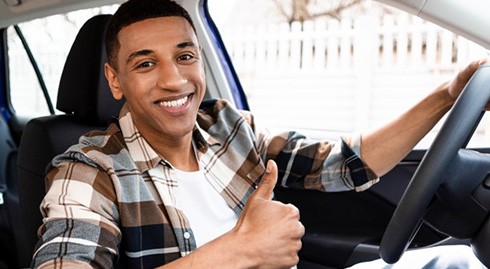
<point x="176" y="150"/>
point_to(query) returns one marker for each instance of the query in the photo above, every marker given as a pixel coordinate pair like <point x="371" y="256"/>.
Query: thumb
<point x="268" y="182"/>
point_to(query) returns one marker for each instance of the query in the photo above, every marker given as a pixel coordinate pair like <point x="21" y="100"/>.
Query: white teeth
<point x="175" y="103"/>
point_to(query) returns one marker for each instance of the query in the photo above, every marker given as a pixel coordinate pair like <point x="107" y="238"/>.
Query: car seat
<point x="85" y="98"/>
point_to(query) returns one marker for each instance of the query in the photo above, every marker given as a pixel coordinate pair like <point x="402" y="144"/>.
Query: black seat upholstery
<point x="85" y="97"/>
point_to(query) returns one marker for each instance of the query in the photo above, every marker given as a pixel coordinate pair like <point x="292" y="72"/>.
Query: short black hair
<point x="134" y="11"/>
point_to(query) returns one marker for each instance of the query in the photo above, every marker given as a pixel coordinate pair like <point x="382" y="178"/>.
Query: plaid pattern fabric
<point x="111" y="198"/>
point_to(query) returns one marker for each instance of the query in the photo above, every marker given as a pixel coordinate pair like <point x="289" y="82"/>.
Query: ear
<point x="112" y="79"/>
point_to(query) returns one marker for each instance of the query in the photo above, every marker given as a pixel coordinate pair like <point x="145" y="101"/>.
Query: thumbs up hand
<point x="271" y="229"/>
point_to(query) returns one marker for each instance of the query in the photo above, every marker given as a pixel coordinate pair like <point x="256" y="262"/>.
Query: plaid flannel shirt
<point x="111" y="198"/>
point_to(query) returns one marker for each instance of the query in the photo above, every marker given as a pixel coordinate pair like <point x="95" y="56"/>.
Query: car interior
<point x="333" y="237"/>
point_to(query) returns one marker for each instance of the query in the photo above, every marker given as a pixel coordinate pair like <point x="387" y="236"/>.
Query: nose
<point x="171" y="77"/>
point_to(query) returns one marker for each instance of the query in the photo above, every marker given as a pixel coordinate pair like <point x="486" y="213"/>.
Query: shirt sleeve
<point x="330" y="166"/>
<point x="80" y="219"/>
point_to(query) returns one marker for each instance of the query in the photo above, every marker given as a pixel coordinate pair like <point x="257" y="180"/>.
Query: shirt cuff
<point x="361" y="175"/>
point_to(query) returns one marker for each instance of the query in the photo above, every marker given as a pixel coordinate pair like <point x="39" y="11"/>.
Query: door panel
<point x="346" y="227"/>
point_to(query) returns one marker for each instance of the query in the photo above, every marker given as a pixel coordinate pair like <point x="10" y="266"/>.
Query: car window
<point x="49" y="40"/>
<point x="328" y="68"/>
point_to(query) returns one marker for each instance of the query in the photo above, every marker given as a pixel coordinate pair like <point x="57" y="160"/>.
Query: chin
<point x="180" y="132"/>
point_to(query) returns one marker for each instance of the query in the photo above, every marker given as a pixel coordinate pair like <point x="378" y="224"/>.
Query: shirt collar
<point x="143" y="154"/>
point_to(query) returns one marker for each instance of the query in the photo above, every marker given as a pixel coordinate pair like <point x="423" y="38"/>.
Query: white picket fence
<point x="399" y="40"/>
<point x="354" y="75"/>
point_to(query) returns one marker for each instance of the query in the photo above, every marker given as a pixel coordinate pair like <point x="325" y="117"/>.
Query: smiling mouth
<point x="174" y="103"/>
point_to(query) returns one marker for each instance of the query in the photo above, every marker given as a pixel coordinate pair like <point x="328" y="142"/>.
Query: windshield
<point x="329" y="68"/>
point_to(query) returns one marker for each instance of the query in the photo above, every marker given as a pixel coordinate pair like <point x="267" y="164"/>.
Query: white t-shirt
<point x="208" y="213"/>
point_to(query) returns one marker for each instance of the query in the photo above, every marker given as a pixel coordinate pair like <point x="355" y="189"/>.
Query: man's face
<point x="160" y="72"/>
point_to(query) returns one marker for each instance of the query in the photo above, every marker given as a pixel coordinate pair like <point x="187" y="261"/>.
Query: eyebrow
<point x="186" y="44"/>
<point x="145" y="52"/>
<point x="138" y="53"/>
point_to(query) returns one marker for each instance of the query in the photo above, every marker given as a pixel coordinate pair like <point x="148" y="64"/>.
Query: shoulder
<point x="96" y="148"/>
<point x="213" y="111"/>
<point x="102" y="139"/>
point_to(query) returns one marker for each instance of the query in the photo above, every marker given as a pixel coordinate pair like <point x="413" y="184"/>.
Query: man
<point x="159" y="188"/>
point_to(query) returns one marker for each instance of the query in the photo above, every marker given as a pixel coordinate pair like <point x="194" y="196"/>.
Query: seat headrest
<point x="84" y="91"/>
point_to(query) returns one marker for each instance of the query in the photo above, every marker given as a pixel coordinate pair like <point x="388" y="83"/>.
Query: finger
<point x="294" y="211"/>
<point x="464" y="76"/>
<point x="470" y="69"/>
<point x="268" y="182"/>
<point x="484" y="61"/>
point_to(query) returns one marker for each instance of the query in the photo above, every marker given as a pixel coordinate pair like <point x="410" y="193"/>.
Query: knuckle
<point x="295" y="259"/>
<point x="291" y="260"/>
<point x="300" y="245"/>
<point x="293" y="209"/>
<point x="301" y="229"/>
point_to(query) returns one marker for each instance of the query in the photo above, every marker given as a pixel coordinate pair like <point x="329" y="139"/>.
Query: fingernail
<point x="268" y="168"/>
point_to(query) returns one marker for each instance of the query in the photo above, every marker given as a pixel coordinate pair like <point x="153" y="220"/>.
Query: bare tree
<point x="302" y="10"/>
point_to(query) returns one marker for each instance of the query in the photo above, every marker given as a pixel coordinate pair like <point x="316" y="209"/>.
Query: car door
<point x="336" y="75"/>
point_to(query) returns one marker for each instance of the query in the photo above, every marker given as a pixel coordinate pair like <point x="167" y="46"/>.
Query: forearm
<point x="383" y="148"/>
<point x="223" y="252"/>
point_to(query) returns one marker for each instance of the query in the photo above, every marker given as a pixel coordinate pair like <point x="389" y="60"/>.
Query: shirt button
<point x="187" y="235"/>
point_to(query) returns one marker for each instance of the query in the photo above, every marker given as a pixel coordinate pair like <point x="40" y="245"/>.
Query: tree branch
<point x="335" y="12"/>
<point x="281" y="10"/>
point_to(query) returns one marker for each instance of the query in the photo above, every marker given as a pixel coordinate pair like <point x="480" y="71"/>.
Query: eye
<point x="186" y="57"/>
<point x="145" y="64"/>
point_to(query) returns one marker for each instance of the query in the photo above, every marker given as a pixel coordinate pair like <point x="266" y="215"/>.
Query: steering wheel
<point x="458" y="126"/>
